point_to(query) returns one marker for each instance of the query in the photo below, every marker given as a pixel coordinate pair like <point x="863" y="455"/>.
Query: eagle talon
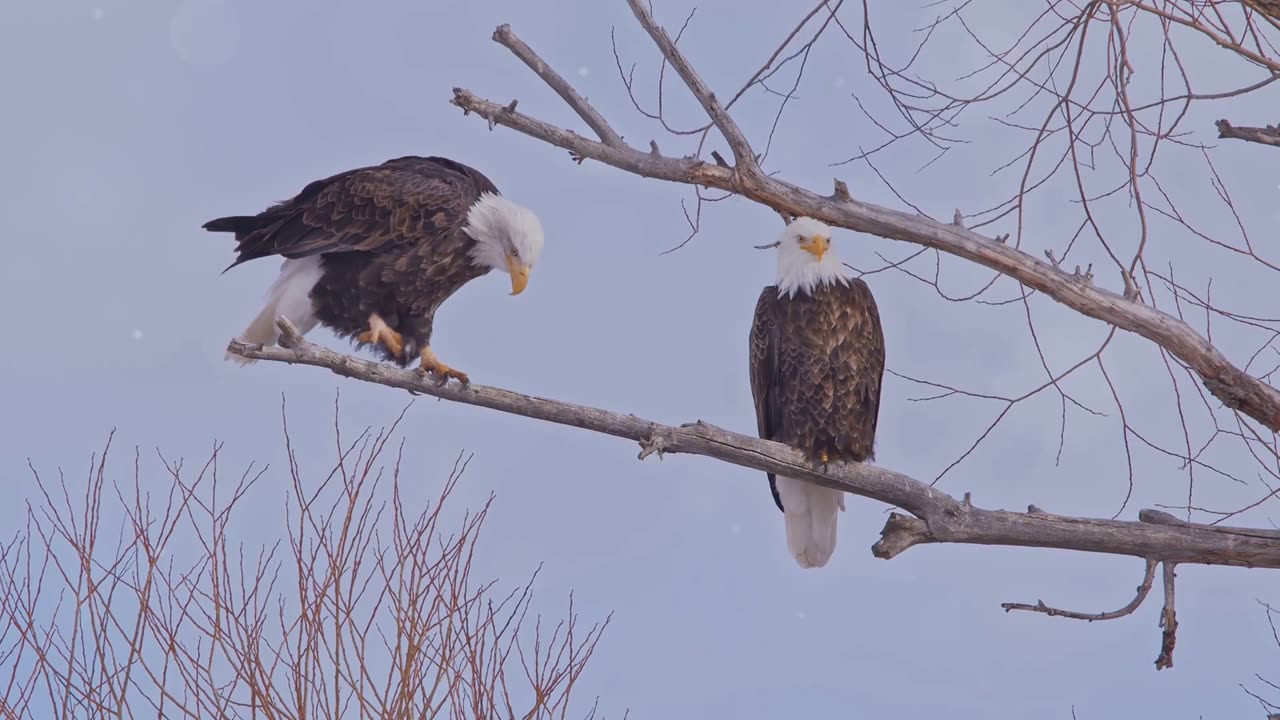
<point x="431" y="365"/>
<point x="380" y="333"/>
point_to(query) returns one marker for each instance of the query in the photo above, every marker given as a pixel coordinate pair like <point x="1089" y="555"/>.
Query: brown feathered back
<point x="376" y="208"/>
<point x="390" y="237"/>
<point x="816" y="366"/>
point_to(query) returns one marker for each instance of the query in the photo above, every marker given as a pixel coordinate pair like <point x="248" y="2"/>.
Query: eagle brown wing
<point x="857" y="370"/>
<point x="373" y="209"/>
<point x="765" y="390"/>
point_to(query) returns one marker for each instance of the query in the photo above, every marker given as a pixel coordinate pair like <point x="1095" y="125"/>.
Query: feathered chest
<point x="820" y="322"/>
<point x="816" y="364"/>
<point x="428" y="271"/>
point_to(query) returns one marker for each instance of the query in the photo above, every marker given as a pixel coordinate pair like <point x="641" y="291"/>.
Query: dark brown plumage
<point x="816" y="365"/>
<point x="390" y="242"/>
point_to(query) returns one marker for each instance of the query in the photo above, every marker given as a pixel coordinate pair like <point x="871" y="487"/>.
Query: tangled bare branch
<point x="125" y="602"/>
<point x="1232" y="386"/>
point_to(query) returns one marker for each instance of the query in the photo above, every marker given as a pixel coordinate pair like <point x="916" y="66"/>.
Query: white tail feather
<point x="810" y="512"/>
<point x="290" y="296"/>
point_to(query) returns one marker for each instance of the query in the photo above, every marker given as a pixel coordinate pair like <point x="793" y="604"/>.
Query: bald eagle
<point x="817" y="359"/>
<point x="373" y="252"/>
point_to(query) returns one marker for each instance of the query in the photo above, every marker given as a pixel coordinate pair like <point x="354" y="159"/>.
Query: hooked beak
<point x="519" y="275"/>
<point x="817" y="245"/>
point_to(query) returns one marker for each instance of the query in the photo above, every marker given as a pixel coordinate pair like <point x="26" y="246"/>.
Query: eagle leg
<point x="380" y="332"/>
<point x="432" y="365"/>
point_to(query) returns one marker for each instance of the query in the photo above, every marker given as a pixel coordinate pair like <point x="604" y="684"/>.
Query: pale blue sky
<point x="129" y="124"/>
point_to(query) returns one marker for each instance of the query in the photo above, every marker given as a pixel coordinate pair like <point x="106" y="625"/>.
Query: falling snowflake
<point x="838" y="81"/>
<point x="137" y="334"/>
<point x="800" y="615"/>
<point x="97" y="13"/>
<point x="584" y="71"/>
<point x="736" y="528"/>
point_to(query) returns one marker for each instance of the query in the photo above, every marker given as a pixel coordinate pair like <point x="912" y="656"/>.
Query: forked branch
<point x="1168" y="618"/>
<point x="1234" y="387"/>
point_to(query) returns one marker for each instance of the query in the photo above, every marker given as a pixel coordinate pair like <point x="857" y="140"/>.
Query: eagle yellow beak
<point x="817" y="245"/>
<point x="519" y="275"/>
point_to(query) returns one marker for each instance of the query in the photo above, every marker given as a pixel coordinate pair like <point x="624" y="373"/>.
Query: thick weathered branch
<point x="939" y="518"/>
<point x="1269" y="135"/>
<point x="1235" y="388"/>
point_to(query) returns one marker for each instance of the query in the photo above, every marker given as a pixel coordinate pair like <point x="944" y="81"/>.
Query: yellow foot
<point x="380" y="332"/>
<point x="823" y="457"/>
<point x="432" y="365"/>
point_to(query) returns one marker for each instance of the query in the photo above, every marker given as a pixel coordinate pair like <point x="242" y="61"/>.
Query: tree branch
<point x="1269" y="135"/>
<point x="1235" y="388"/>
<point x="503" y="36"/>
<point x="1168" y="620"/>
<point x="939" y="517"/>
<point x="1148" y="580"/>
<point x="743" y="155"/>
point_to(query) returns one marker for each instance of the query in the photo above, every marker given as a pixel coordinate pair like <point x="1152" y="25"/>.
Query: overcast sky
<point x="128" y="124"/>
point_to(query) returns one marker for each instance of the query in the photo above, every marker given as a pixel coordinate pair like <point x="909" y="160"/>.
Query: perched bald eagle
<point x="373" y="252"/>
<point x="817" y="359"/>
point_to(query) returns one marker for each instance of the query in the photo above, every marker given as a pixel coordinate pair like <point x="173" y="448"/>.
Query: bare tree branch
<point x="1168" y="621"/>
<point x="1234" y="387"/>
<point x="1269" y="135"/>
<point x="743" y="155"/>
<point x="1148" y="580"/>
<point x="939" y="517"/>
<point x="594" y="119"/>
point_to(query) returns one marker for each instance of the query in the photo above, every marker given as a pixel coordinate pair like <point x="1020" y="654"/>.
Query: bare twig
<point x="1148" y="579"/>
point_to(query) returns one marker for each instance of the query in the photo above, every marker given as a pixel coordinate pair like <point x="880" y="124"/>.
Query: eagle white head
<point x="805" y="258"/>
<point x="508" y="237"/>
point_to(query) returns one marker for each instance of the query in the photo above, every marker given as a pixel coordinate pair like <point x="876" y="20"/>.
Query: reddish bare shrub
<point x="116" y="602"/>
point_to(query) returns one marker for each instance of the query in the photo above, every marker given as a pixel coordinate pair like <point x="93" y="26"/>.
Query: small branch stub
<point x="841" y="192"/>
<point x="1269" y="135"/>
<point x="1131" y="290"/>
